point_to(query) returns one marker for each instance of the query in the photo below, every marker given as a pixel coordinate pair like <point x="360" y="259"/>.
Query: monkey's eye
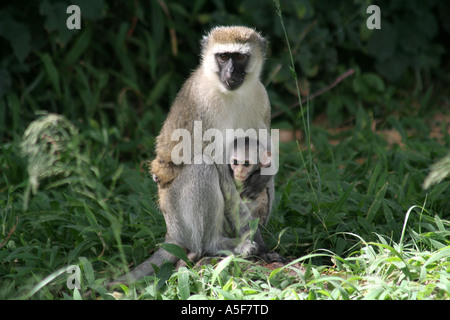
<point x="235" y="162"/>
<point x="224" y="56"/>
<point x="247" y="163"/>
<point x="240" y="57"/>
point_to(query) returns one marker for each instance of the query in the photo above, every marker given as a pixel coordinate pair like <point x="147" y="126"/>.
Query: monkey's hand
<point x="163" y="173"/>
<point x="254" y="185"/>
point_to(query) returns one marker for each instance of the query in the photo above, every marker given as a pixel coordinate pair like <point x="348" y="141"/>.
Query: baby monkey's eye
<point x="235" y="162"/>
<point x="247" y="163"/>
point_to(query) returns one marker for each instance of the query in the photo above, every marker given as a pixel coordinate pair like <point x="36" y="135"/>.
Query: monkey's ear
<point x="264" y="45"/>
<point x="266" y="159"/>
<point x="204" y="42"/>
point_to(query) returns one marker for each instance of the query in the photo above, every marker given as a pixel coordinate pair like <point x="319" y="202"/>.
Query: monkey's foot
<point x="273" y="257"/>
<point x="247" y="248"/>
<point x="193" y="257"/>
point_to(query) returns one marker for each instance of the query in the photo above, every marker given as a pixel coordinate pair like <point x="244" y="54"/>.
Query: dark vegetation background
<point x="138" y="53"/>
<point x="374" y="135"/>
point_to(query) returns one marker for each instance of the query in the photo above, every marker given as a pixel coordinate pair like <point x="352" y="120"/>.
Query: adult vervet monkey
<point x="204" y="213"/>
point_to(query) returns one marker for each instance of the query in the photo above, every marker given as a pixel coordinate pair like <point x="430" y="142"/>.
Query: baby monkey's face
<point x="242" y="169"/>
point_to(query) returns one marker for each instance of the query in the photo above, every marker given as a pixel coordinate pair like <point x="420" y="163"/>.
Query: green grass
<point x="359" y="227"/>
<point x="350" y="210"/>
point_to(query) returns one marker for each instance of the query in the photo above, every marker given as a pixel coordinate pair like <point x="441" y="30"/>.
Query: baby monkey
<point x="247" y="158"/>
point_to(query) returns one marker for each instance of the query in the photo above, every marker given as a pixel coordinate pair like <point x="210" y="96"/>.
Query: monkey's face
<point x="232" y="66"/>
<point x="241" y="169"/>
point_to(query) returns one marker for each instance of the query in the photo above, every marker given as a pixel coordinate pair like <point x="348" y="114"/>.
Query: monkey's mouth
<point x="232" y="84"/>
<point x="233" y="81"/>
<point x="240" y="178"/>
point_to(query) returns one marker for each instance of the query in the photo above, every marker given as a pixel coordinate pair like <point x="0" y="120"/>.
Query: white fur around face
<point x="243" y="108"/>
<point x="243" y="48"/>
<point x="209" y="62"/>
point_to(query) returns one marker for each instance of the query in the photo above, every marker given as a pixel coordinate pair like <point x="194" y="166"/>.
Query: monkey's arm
<point x="162" y="168"/>
<point x="164" y="172"/>
<point x="255" y="184"/>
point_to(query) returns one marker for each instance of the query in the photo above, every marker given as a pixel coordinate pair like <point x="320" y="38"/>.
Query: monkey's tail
<point x="146" y="267"/>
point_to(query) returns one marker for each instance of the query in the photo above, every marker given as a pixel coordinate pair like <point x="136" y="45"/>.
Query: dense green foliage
<point x="131" y="57"/>
<point x="351" y="207"/>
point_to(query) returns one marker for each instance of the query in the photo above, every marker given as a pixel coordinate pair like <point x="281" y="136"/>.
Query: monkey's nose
<point x="235" y="78"/>
<point x="233" y="81"/>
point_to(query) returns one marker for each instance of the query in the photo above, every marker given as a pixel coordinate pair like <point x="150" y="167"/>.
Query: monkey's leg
<point x="193" y="208"/>
<point x="196" y="204"/>
<point x="170" y="208"/>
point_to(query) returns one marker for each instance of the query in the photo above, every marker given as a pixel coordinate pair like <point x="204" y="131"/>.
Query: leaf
<point x="160" y="88"/>
<point x="376" y="203"/>
<point x="152" y="54"/>
<point x="183" y="283"/>
<point x="225" y="294"/>
<point x="76" y="294"/>
<point x="400" y="263"/>
<point x="55" y="20"/>
<point x="125" y="289"/>
<point x="88" y="270"/>
<point x="18" y="36"/>
<point x="52" y="72"/>
<point x="79" y="47"/>
<point x="443" y="253"/>
<point x="383" y="42"/>
<point x="92" y="10"/>
<point x="119" y="40"/>
<point x="44" y="282"/>
<point x="293" y="73"/>
<point x="374" y="81"/>
<point x="220" y="267"/>
<point x="439" y="223"/>
<point x="90" y="216"/>
<point x="343" y="199"/>
<point x="164" y="273"/>
<point x="176" y="250"/>
<point x="13" y="102"/>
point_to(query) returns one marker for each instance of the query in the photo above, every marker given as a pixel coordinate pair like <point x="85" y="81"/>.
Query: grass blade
<point x="376" y="203"/>
<point x="52" y="72"/>
<point x="220" y="267"/>
<point x="183" y="283"/>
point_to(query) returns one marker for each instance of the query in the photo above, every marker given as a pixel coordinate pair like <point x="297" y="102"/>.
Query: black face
<point x="232" y="67"/>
